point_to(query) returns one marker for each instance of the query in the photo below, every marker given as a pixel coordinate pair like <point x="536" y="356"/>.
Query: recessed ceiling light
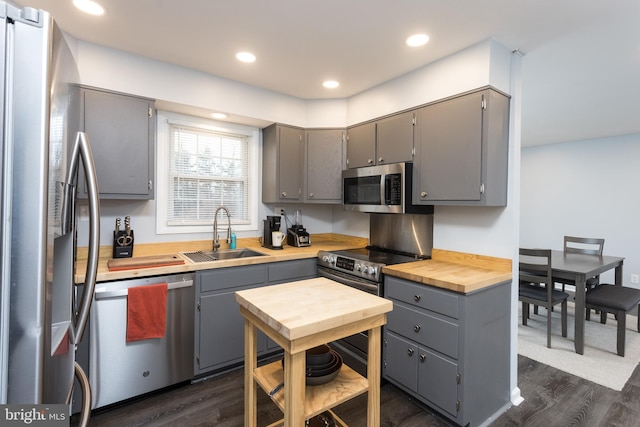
<point x="331" y="84"/>
<point x="219" y="115"/>
<point x="245" y="57"/>
<point x="89" y="6"/>
<point x="417" y="40"/>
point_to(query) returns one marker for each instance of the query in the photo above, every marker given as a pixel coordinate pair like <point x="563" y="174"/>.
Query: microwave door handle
<point x="82" y="149"/>
<point x="386" y="183"/>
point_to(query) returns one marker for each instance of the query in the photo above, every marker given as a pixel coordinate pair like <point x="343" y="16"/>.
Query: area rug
<point x="599" y="363"/>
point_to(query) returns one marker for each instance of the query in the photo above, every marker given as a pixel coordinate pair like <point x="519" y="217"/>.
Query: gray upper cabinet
<point x="361" y="145"/>
<point x="323" y="165"/>
<point x="282" y="164"/>
<point x="394" y="138"/>
<point x="387" y="140"/>
<point x="121" y="131"/>
<point x="461" y="151"/>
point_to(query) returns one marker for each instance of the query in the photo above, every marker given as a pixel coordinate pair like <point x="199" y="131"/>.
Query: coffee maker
<point x="296" y="234"/>
<point x="271" y="224"/>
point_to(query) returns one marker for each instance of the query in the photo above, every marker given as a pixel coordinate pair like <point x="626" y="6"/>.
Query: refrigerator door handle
<point x="82" y="149"/>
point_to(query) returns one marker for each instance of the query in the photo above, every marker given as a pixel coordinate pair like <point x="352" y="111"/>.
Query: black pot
<point x="318" y="356"/>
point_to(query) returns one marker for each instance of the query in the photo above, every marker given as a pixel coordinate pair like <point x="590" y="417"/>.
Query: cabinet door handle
<point x="417" y="328"/>
<point x="410" y="352"/>
<point x="417" y="298"/>
<point x="423" y="357"/>
<point x="380" y="160"/>
<point x="284" y="194"/>
<point x="310" y="195"/>
<point x="423" y="194"/>
<point x="370" y="161"/>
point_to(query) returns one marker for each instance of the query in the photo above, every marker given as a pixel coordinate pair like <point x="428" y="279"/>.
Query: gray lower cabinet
<point x="461" y="150"/>
<point x="121" y="132"/>
<point x="449" y="350"/>
<point x="219" y="326"/>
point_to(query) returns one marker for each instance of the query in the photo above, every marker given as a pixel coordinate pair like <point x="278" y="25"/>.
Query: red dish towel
<point x="147" y="312"/>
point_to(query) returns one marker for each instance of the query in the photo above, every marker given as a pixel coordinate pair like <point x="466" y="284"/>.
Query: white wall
<point x="584" y="188"/>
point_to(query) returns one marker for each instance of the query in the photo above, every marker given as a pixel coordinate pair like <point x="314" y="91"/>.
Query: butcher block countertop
<point x="307" y="307"/>
<point x="454" y="271"/>
<point x="173" y="250"/>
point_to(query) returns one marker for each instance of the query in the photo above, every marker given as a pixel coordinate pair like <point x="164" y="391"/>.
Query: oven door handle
<point x="349" y="281"/>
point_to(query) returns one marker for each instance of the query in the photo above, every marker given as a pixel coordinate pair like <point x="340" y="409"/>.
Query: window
<point x="202" y="165"/>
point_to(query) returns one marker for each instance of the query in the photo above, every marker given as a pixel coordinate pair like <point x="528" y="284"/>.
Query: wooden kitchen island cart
<point x="299" y="316"/>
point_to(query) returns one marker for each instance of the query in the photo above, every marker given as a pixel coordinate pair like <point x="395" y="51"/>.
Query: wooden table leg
<point x="373" y="375"/>
<point x="294" y="389"/>
<point x="250" y="364"/>
<point x="579" y="314"/>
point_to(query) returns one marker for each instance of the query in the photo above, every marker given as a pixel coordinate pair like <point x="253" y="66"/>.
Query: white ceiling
<point x="580" y="69"/>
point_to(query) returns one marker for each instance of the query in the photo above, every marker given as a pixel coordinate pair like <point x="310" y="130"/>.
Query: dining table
<point x="578" y="268"/>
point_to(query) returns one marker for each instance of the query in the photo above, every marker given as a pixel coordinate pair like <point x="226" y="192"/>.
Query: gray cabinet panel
<point x="438" y="380"/>
<point x="461" y="150"/>
<point x="449" y="153"/>
<point x="290" y="162"/>
<point x="292" y="270"/>
<point x="282" y="158"/>
<point x="324" y="164"/>
<point x="221" y="338"/>
<point x="425" y="329"/>
<point x="361" y="145"/>
<point x="121" y="131"/>
<point x="423" y="296"/>
<point x="225" y="278"/>
<point x="401" y="360"/>
<point x="394" y="138"/>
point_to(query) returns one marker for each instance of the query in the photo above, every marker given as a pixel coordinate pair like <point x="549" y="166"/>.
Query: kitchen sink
<point x="207" y="256"/>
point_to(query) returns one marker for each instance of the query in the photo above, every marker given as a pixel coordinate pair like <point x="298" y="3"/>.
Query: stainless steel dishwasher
<point x="118" y="369"/>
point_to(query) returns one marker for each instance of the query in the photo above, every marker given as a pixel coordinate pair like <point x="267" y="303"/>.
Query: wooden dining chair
<point x="537" y="287"/>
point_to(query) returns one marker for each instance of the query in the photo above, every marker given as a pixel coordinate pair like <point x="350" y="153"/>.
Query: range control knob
<point x="358" y="267"/>
<point x="372" y="271"/>
<point x="328" y="259"/>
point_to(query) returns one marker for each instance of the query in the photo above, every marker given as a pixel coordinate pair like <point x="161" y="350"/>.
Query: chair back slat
<point x="583" y="245"/>
<point x="537" y="267"/>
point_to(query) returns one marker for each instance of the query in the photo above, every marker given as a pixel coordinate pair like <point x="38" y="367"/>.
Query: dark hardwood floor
<point x="552" y="398"/>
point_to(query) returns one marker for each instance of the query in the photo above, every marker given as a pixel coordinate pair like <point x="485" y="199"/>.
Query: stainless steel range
<point x="394" y="239"/>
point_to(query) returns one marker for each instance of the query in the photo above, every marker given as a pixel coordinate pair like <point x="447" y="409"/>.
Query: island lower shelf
<point x="318" y="398"/>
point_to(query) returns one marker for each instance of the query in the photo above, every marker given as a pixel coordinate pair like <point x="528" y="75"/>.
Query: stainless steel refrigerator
<point x="41" y="320"/>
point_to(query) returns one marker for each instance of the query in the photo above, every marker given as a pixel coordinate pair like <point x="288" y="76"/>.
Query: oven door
<point x="354" y="348"/>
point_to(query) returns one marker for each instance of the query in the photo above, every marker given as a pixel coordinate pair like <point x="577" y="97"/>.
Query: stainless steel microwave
<point x="380" y="189"/>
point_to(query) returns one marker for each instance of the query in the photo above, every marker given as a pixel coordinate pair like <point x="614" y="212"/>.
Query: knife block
<point x="119" y="250"/>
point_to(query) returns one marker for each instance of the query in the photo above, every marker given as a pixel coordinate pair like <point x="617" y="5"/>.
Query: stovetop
<point x="375" y="255"/>
<point x="363" y="262"/>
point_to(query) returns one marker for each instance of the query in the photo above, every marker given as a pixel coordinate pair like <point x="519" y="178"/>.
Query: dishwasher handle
<point x="103" y="293"/>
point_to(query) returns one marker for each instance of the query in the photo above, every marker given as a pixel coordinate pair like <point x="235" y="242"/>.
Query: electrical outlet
<point x="279" y="211"/>
<point x="635" y="278"/>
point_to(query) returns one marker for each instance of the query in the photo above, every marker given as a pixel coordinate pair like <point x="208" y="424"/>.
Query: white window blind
<point x="203" y="164"/>
<point x="207" y="169"/>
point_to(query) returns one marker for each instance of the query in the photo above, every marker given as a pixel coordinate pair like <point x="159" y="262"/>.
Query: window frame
<point x="164" y="120"/>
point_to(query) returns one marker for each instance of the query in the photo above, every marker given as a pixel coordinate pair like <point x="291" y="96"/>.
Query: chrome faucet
<point x="216" y="238"/>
